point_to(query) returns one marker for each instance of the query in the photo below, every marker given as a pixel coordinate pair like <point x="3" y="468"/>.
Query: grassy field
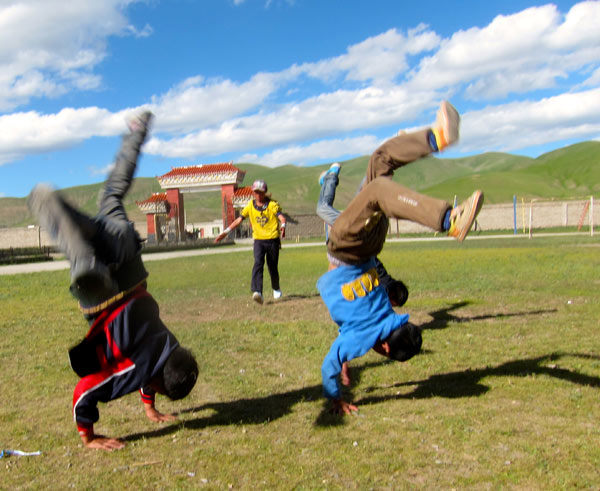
<point x="503" y="396"/>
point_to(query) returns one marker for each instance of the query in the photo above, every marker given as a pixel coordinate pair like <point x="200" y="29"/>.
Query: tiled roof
<point x="202" y="176"/>
<point x="156" y="197"/>
<point x="192" y="170"/>
<point x="241" y="196"/>
<point x="243" y="192"/>
<point x="157" y="203"/>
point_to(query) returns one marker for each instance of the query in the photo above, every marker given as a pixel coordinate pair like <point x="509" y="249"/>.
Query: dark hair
<point x="405" y="342"/>
<point x="179" y="373"/>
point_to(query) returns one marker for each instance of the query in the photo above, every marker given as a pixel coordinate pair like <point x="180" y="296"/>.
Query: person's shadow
<point x="464" y="383"/>
<point x="442" y="318"/>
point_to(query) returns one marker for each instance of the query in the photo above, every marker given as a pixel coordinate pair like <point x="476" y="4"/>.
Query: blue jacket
<point x="359" y="305"/>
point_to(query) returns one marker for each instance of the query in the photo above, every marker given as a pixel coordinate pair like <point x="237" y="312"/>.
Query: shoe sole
<point x="257" y="299"/>
<point x="475" y="208"/>
<point x="449" y="137"/>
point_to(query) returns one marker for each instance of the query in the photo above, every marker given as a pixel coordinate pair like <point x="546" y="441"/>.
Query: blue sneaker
<point x="333" y="169"/>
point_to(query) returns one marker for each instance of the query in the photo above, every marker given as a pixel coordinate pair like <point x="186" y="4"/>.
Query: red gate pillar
<point x="227" y="212"/>
<point x="151" y="228"/>
<point x="175" y="200"/>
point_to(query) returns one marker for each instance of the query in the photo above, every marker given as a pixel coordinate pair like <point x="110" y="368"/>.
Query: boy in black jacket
<point x="127" y="348"/>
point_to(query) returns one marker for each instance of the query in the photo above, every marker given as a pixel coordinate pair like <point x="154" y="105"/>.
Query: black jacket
<point x="126" y="346"/>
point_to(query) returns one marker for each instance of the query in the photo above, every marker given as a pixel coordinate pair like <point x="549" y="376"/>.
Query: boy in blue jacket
<point x="351" y="289"/>
<point x="127" y="348"/>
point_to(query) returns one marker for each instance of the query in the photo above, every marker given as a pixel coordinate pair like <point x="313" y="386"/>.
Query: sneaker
<point x="140" y="122"/>
<point x="463" y="216"/>
<point x="257" y="297"/>
<point x="445" y="128"/>
<point x="333" y="169"/>
<point x="276" y="294"/>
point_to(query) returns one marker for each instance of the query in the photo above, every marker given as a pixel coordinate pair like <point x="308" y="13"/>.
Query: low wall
<point x="34" y="236"/>
<point x="541" y="214"/>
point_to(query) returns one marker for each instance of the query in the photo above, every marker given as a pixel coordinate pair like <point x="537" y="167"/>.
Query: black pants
<point x="270" y="249"/>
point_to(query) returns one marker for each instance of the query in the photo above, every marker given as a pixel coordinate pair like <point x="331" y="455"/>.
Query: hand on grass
<point x="342" y="407"/>
<point x="157" y="416"/>
<point x="100" y="442"/>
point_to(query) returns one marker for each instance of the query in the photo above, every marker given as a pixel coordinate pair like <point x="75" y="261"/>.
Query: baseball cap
<point x="259" y="185"/>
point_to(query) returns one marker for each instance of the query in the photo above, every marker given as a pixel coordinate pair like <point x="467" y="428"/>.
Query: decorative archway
<point x="165" y="215"/>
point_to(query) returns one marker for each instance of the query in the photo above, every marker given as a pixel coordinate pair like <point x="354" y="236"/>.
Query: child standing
<point x="267" y="219"/>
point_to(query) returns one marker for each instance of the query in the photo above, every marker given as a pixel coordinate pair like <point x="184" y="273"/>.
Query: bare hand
<point x="342" y="407"/>
<point x="220" y="237"/>
<point x="157" y="416"/>
<point x="100" y="442"/>
<point x="345" y="374"/>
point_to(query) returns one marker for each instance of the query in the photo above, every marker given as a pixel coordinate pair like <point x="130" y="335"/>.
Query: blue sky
<point x="284" y="81"/>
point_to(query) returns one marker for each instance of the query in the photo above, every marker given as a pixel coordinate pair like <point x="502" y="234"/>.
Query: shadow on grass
<point x="443" y="317"/>
<point x="467" y="383"/>
<point x="255" y="411"/>
<point x="289" y="298"/>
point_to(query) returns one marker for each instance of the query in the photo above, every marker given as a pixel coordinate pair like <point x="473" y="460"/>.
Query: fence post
<point x="515" y="214"/>
<point x="591" y="216"/>
<point x="530" y="217"/>
<point x="523" y="212"/>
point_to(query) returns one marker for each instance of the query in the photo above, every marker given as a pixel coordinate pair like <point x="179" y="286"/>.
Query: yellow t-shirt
<point x="265" y="224"/>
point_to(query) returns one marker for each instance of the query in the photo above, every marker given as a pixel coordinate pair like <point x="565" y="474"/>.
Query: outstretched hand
<point x="156" y="416"/>
<point x="342" y="407"/>
<point x="100" y="442"/>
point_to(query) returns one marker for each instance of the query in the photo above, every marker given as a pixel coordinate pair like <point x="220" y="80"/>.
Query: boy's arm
<point x="231" y="227"/>
<point x="156" y="416"/>
<point x="149" y="398"/>
<point x="282" y="225"/>
<point x="85" y="412"/>
<point x="331" y="368"/>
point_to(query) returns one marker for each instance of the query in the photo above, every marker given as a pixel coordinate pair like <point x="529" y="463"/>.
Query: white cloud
<point x="198" y="103"/>
<point x="327" y="114"/>
<point x="593" y="80"/>
<point x="33" y="133"/>
<point x="379" y="58"/>
<point x="100" y="171"/>
<point x="324" y="150"/>
<point x="524" y="124"/>
<point x="48" y="47"/>
<point x="514" y="54"/>
<point x="374" y="84"/>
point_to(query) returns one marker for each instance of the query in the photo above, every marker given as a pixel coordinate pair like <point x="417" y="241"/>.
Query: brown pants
<point x="360" y="231"/>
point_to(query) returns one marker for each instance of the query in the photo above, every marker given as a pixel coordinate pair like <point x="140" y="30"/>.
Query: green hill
<point x="572" y="171"/>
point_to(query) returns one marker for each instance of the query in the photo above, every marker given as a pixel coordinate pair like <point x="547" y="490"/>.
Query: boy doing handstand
<point x="351" y="289"/>
<point x="127" y="348"/>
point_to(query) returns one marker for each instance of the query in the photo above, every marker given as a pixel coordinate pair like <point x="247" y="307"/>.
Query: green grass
<point x="504" y="394"/>
<point x="570" y="172"/>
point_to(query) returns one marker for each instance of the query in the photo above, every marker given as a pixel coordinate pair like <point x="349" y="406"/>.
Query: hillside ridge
<point x="568" y="172"/>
